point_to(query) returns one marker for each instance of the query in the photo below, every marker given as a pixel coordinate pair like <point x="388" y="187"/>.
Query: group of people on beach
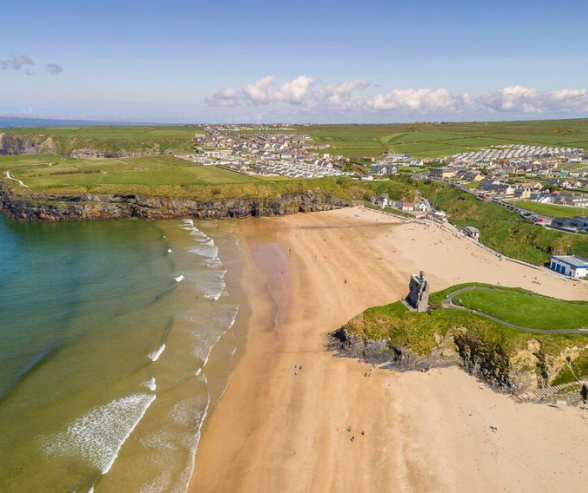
<point x="352" y="438"/>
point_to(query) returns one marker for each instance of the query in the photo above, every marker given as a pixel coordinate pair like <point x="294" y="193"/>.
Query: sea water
<point x="103" y="352"/>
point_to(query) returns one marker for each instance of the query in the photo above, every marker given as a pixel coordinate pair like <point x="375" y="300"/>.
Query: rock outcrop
<point x="13" y="144"/>
<point x="88" y="153"/>
<point x="54" y="208"/>
<point x="525" y="370"/>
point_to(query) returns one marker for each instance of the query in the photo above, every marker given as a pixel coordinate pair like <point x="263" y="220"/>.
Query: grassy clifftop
<point x="111" y="139"/>
<point x="553" y="358"/>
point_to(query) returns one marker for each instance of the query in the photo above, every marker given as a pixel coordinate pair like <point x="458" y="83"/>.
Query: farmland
<point x="354" y="141"/>
<point x="438" y="140"/>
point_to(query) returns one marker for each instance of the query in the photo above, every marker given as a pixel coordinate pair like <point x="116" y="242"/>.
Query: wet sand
<point x="281" y="429"/>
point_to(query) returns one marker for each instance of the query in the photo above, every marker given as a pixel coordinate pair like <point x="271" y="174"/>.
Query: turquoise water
<point x="103" y="382"/>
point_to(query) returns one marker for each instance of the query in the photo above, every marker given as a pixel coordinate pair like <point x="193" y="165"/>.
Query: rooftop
<point x="572" y="260"/>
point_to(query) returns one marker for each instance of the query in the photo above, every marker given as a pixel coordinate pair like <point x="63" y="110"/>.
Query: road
<point x="538" y="219"/>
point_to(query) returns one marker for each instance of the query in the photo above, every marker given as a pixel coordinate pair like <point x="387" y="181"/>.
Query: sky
<point x="316" y="61"/>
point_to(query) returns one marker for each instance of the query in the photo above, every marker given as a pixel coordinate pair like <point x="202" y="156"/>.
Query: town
<point x="506" y="174"/>
<point x="522" y="178"/>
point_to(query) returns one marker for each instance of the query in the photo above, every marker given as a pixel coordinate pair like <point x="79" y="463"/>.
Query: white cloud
<point x="225" y="97"/>
<point x="306" y="92"/>
<point x="340" y="95"/>
<point x="265" y="91"/>
<point x="519" y="99"/>
<point x="415" y="100"/>
<point x="53" y="68"/>
<point x="16" y="62"/>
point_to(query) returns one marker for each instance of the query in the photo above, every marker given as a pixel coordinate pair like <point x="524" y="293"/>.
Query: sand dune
<point x="278" y="429"/>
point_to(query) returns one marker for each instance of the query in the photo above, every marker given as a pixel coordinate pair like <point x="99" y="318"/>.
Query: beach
<point x="282" y="423"/>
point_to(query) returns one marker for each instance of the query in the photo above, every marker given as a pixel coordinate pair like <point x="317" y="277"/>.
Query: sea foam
<point x="154" y="356"/>
<point x="98" y="435"/>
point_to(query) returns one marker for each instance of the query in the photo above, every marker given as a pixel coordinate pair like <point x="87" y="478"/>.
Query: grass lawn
<point x="420" y="331"/>
<point x="551" y="210"/>
<point x="526" y="309"/>
<point x="56" y="172"/>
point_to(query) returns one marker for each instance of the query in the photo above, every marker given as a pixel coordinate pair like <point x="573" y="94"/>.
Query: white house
<point x="570" y="265"/>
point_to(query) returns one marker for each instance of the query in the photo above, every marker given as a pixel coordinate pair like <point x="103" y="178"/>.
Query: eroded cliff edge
<point x="30" y="206"/>
<point x="517" y="363"/>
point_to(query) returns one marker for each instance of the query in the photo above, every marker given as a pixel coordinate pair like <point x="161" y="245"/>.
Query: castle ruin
<point x="418" y="296"/>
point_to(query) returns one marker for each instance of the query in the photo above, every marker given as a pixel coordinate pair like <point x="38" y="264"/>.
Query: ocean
<point x="47" y="122"/>
<point x="106" y="336"/>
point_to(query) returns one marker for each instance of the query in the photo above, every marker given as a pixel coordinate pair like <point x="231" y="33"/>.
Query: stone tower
<point x="418" y="296"/>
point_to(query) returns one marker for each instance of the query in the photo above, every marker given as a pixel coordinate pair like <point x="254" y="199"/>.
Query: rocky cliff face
<point x="86" y="153"/>
<point x="13" y="144"/>
<point x="25" y="144"/>
<point x="37" y="207"/>
<point x="524" y="371"/>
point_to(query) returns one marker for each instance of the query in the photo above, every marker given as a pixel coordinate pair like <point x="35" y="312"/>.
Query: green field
<point x="167" y="176"/>
<point x="110" y="138"/>
<point x="526" y="309"/>
<point x="45" y="171"/>
<point x="551" y="210"/>
<point x="354" y="141"/>
<point x="439" y="140"/>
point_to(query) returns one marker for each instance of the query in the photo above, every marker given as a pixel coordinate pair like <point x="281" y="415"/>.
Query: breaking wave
<point x="154" y="356"/>
<point x="98" y="435"/>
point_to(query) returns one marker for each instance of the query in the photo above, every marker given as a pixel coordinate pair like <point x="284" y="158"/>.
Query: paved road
<point x="448" y="303"/>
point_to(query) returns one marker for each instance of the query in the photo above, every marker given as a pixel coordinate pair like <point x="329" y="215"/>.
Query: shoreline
<point x="277" y="429"/>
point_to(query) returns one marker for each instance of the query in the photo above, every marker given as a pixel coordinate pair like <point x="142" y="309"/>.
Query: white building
<point x="570" y="265"/>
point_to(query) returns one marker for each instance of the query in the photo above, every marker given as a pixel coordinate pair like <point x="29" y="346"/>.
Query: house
<point x="472" y="232"/>
<point x="569" y="265"/>
<point x="571" y="223"/>
<point x="403" y="206"/>
<point x="442" y="173"/>
<point x="385" y="169"/>
<point x="382" y="200"/>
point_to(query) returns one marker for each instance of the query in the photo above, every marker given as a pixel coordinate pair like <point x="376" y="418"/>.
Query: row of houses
<point x="384" y="201"/>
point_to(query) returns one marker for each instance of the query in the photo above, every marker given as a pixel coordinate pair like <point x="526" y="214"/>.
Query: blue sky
<point x="369" y="61"/>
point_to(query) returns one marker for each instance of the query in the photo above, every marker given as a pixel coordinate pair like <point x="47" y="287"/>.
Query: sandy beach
<point x="279" y="428"/>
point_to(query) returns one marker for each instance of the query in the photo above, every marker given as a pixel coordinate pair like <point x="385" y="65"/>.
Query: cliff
<point x="508" y="363"/>
<point x="46" y="207"/>
<point x="14" y="144"/>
